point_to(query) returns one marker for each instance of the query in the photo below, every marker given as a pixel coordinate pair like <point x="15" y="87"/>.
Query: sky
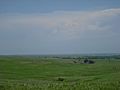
<point x="59" y="26"/>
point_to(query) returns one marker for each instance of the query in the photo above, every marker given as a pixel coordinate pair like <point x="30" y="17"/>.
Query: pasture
<point x="47" y="73"/>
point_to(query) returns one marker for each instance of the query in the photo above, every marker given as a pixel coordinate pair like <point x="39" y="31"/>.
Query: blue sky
<point x="36" y="6"/>
<point x="59" y="26"/>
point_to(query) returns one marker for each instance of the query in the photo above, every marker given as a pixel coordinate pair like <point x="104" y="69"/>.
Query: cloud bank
<point x="60" y="32"/>
<point x="67" y="23"/>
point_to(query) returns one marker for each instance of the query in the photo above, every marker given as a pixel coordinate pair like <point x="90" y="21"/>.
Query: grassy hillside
<point x="36" y="73"/>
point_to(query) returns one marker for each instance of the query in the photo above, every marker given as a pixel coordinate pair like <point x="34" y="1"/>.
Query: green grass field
<point x="36" y="73"/>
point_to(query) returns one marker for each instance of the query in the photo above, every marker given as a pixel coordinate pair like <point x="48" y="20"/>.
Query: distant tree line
<point x="91" y="57"/>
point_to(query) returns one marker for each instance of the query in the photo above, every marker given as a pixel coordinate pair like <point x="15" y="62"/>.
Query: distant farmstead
<point x="88" y="61"/>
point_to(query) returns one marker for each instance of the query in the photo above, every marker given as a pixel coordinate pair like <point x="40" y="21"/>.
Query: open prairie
<point x="48" y="73"/>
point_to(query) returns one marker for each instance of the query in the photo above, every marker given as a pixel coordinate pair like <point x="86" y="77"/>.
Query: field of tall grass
<point x="37" y="73"/>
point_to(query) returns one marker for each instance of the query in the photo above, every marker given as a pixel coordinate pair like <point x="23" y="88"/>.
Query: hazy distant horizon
<point x="64" y="54"/>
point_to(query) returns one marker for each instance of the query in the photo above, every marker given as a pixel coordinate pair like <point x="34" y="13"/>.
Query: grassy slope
<point x="33" y="73"/>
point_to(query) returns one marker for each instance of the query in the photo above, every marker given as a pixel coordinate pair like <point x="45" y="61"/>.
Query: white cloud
<point x="67" y="23"/>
